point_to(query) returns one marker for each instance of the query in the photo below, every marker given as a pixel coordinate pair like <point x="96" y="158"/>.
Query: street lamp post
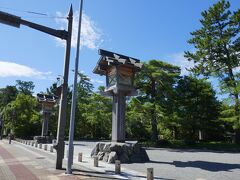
<point x="16" y="21"/>
<point x="1" y="125"/>
<point x="74" y="97"/>
<point x="63" y="103"/>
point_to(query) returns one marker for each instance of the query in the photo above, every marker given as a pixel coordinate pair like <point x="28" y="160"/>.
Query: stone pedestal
<point x="125" y="152"/>
<point x="43" y="139"/>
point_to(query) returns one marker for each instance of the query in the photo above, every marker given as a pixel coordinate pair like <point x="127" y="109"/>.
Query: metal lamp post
<point x="74" y="97"/>
<point x="16" y="21"/>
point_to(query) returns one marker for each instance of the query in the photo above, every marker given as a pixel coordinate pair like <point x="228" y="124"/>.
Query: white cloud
<point x="96" y="81"/>
<point x="179" y="60"/>
<point x="10" y="69"/>
<point x="90" y="34"/>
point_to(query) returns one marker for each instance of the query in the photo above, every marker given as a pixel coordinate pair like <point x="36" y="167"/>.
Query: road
<point x="168" y="164"/>
<point x="171" y="164"/>
<point x="19" y="161"/>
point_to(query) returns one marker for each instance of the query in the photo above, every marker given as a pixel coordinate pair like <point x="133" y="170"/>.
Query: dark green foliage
<point x="97" y="114"/>
<point x="21" y="116"/>
<point x="7" y="94"/>
<point x="52" y="89"/>
<point x="197" y="108"/>
<point x="93" y="113"/>
<point x="155" y="83"/>
<point x="217" y="50"/>
<point x="85" y="87"/>
<point x="84" y="91"/>
<point x="25" y="87"/>
<point x="137" y="120"/>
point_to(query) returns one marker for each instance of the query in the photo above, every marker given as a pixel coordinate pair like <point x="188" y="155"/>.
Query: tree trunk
<point x="237" y="114"/>
<point x="237" y="136"/>
<point x="236" y="108"/>
<point x="154" y="136"/>
<point x="175" y="133"/>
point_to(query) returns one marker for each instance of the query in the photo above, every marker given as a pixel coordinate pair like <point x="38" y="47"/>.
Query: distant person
<point x="10" y="137"/>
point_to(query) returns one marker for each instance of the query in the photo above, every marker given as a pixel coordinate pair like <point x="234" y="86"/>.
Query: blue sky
<point x="144" y="29"/>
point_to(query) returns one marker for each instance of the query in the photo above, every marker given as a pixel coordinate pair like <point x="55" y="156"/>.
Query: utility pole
<point x="63" y="102"/>
<point x="74" y="98"/>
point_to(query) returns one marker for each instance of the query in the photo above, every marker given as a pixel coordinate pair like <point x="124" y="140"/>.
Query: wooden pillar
<point x="118" y="117"/>
<point x="45" y="120"/>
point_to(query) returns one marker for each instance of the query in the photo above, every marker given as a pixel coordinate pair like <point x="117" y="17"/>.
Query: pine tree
<point x="156" y="83"/>
<point x="217" y="51"/>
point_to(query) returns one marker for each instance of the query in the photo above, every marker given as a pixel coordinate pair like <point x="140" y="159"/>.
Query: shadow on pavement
<point x="108" y="174"/>
<point x="77" y="144"/>
<point x="191" y="150"/>
<point x="92" y="174"/>
<point x="138" y="176"/>
<point x="205" y="165"/>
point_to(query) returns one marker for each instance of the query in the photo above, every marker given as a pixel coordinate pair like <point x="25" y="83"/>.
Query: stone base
<point x="43" y="139"/>
<point x="125" y="152"/>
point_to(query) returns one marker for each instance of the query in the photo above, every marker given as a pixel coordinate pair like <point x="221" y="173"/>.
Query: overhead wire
<point x="35" y="13"/>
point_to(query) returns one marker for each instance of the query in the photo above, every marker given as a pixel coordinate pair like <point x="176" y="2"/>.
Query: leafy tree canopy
<point x="25" y="87"/>
<point x="7" y="94"/>
<point x="22" y="116"/>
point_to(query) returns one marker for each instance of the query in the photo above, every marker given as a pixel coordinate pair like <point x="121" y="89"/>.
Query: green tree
<point x="25" y="87"/>
<point x="156" y="82"/>
<point x="198" y="108"/>
<point x="84" y="91"/>
<point x="227" y="116"/>
<point x="21" y="116"/>
<point x="217" y="50"/>
<point x="98" y="115"/>
<point x="7" y="94"/>
<point x="85" y="87"/>
<point x="138" y="114"/>
<point x="52" y="89"/>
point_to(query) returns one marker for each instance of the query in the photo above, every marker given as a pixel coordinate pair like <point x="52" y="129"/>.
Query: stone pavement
<point x="178" y="164"/>
<point x="19" y="161"/>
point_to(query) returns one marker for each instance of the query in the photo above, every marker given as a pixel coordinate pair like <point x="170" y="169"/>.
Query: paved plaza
<point x="21" y="161"/>
<point x="177" y="164"/>
<point x="24" y="162"/>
